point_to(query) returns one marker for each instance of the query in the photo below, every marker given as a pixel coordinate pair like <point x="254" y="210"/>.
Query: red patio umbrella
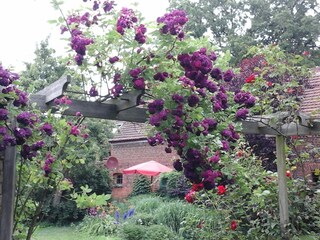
<point x="151" y="168"/>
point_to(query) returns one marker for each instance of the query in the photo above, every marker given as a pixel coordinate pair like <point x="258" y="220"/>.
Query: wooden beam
<point x="55" y="89"/>
<point x="127" y="100"/>
<point x="8" y="190"/>
<point x="287" y="129"/>
<point x="282" y="186"/>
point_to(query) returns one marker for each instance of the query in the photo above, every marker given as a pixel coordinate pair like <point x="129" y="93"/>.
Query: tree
<point x="45" y="68"/>
<point x="293" y="25"/>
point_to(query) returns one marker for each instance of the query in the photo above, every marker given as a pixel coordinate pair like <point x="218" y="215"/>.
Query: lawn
<point x="65" y="233"/>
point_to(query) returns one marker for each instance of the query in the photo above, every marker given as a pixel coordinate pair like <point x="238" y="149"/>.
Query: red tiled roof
<point x="311" y="97"/>
<point x="129" y="131"/>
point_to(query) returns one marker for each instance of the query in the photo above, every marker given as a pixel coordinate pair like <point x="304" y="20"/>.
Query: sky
<point x="24" y="24"/>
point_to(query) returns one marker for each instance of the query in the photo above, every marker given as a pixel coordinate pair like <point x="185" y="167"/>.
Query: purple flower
<point x="7" y="77"/>
<point x="116" y="77"/>
<point x="215" y="158"/>
<point x="228" y="75"/>
<point x="37" y="146"/>
<point x="3" y="130"/>
<point x="47" y="128"/>
<point x="27" y="118"/>
<point x="140" y="31"/>
<point x="79" y="59"/>
<point x="93" y="92"/>
<point x="210" y="123"/>
<point x="177" y="98"/>
<point x="155" y="120"/>
<point x="113" y="59"/>
<point x="244" y="98"/>
<point x="160" y="76"/>
<point x="9" y="140"/>
<point x="225" y="145"/>
<point x="177" y="165"/>
<point x="95" y="5"/>
<point x="107" y="6"/>
<point x="74" y="131"/>
<point x="211" y="86"/>
<point x="216" y="73"/>
<point x="3" y="114"/>
<point x="173" y="22"/>
<point x="242" y="114"/>
<point x="135" y="72"/>
<point x="156" y="106"/>
<point x="193" y="100"/>
<point x="22" y="99"/>
<point x="139" y="84"/>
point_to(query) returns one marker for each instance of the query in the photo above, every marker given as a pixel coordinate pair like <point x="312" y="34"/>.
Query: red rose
<point x="190" y="196"/>
<point x="269" y="84"/>
<point x="233" y="225"/>
<point x="288" y="174"/>
<point x="197" y="187"/>
<point x="221" y="190"/>
<point x="250" y="79"/>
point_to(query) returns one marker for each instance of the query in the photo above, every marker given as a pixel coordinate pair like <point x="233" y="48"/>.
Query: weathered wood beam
<point x="8" y="190"/>
<point x="282" y="186"/>
<point x="127" y="100"/>
<point x="290" y="129"/>
<point x="95" y="110"/>
<point x="55" y="89"/>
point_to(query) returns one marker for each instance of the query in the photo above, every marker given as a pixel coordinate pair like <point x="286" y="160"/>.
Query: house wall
<point x="133" y="153"/>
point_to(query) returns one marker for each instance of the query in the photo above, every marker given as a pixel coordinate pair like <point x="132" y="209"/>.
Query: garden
<point x="230" y="181"/>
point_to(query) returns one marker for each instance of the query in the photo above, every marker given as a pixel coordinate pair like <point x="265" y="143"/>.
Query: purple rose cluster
<point x="128" y="20"/>
<point x="174" y="117"/>
<point x="173" y="23"/>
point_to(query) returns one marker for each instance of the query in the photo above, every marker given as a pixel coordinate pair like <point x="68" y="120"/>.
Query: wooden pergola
<point x="278" y="125"/>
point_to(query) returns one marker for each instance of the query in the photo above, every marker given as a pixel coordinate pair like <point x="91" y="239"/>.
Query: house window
<point x="315" y="175"/>
<point x="118" y="179"/>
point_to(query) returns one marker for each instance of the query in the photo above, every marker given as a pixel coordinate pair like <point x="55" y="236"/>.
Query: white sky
<point x="24" y="23"/>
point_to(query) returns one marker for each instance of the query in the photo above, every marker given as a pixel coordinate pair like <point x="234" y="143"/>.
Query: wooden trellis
<point x="126" y="108"/>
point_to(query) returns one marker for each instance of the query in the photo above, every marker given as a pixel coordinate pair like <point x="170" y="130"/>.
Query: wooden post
<point x="8" y="189"/>
<point x="282" y="186"/>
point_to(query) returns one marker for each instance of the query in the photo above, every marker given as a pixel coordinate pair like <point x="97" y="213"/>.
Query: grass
<point x="66" y="233"/>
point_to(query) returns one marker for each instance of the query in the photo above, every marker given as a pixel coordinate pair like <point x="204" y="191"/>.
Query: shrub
<point x="174" y="184"/>
<point x="64" y="212"/>
<point x="98" y="225"/>
<point x="141" y="185"/>
<point x="148" y="204"/>
<point x="145" y="219"/>
<point x="157" y="232"/>
<point x="129" y="231"/>
<point x="172" y="214"/>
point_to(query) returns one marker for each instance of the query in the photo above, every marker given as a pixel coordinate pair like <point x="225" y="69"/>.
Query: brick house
<point x="311" y="106"/>
<point x="129" y="147"/>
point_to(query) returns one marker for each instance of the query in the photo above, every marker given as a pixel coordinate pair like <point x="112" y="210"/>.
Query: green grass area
<point x="66" y="233"/>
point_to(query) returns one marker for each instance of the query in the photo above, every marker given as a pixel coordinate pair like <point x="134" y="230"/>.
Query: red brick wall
<point x="133" y="153"/>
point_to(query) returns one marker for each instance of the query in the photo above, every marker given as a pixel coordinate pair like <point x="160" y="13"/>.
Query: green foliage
<point x="174" y="184"/>
<point x="63" y="213"/>
<point x="45" y="69"/>
<point x="98" y="225"/>
<point x="84" y="200"/>
<point x="239" y="25"/>
<point x="97" y="178"/>
<point x="132" y="232"/>
<point x="172" y="214"/>
<point x="148" y="204"/>
<point x="146" y="219"/>
<point x="141" y="185"/>
<point x="66" y="233"/>
<point x="156" y="232"/>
